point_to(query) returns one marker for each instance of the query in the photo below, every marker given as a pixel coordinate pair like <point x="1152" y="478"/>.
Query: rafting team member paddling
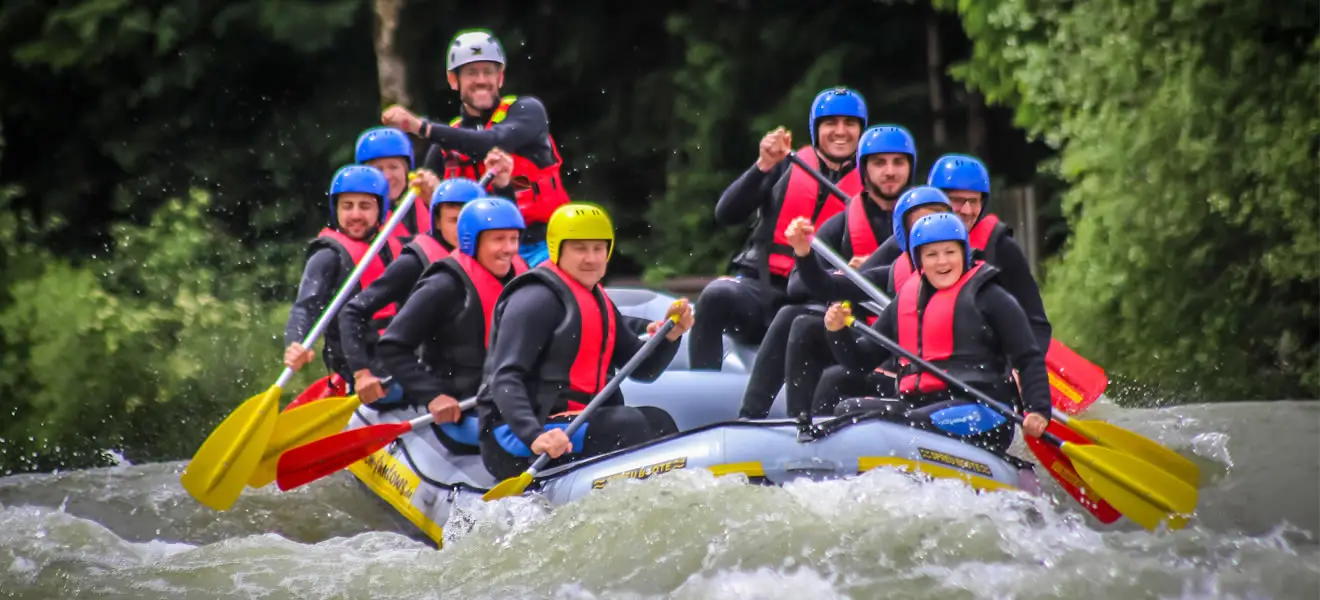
<point x="838" y="381"/>
<point x="887" y="159"/>
<point x="954" y="314"/>
<point x="394" y="286"/>
<point x="475" y="61"/>
<point x="744" y="303"/>
<point x="358" y="195"/>
<point x="555" y="340"/>
<point x="391" y="151"/>
<point x="448" y="316"/>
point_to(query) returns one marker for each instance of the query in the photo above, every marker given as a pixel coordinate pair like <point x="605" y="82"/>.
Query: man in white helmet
<point x="517" y="125"/>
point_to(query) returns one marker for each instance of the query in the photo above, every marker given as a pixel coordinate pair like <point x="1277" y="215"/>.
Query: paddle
<point x="320" y="389"/>
<point x="515" y="485"/>
<point x="1075" y="383"/>
<point x="1143" y="492"/>
<point x="320" y="458"/>
<point x="225" y="462"/>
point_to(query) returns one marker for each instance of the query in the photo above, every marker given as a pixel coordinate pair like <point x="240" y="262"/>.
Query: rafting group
<point x="472" y="347"/>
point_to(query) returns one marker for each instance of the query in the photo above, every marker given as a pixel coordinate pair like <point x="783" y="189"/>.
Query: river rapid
<point x="131" y="531"/>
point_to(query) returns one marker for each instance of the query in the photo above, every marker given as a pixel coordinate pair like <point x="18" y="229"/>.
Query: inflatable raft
<point x="423" y="481"/>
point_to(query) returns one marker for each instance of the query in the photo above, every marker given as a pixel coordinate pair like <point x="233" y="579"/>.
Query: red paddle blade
<point x="319" y="390"/>
<point x="314" y="460"/>
<point x="1075" y="383"/>
<point x="1061" y="468"/>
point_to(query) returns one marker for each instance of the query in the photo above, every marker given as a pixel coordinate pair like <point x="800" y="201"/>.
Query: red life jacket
<point x="984" y="236"/>
<point x="538" y="191"/>
<point x="860" y="235"/>
<point x="351" y="252"/>
<point x="428" y="249"/>
<point x="949" y="331"/>
<point x="596" y="343"/>
<point x="802" y="196"/>
<point x="486" y="286"/>
<point x="421" y="211"/>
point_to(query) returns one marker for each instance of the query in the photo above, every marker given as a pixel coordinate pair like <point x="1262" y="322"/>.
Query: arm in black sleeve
<point x="749" y="192"/>
<point x="1006" y="319"/>
<point x="626" y="345"/>
<point x="883" y="257"/>
<point x="1015" y="276"/>
<point x="320" y="281"/>
<point x="525" y="123"/>
<point x="832" y="232"/>
<point x="526" y="327"/>
<point x="811" y="280"/>
<point x="858" y="352"/>
<point x="507" y="192"/>
<point x="435" y="159"/>
<point x="434" y="302"/>
<point x="354" y="320"/>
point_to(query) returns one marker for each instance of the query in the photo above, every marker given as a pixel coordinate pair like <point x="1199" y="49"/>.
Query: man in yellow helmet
<point x="554" y="342"/>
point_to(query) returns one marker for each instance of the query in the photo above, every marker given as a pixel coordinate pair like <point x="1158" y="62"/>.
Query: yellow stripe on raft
<point x="866" y="463"/>
<point x="395" y="483"/>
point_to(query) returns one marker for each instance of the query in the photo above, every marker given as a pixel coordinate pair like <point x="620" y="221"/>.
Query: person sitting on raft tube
<point x="555" y="340"/>
<point x="448" y="317"/>
<point x="955" y="315"/>
<point x="399" y="279"/>
<point x="475" y="61"/>
<point x="391" y="151"/>
<point x="776" y="192"/>
<point x="357" y="211"/>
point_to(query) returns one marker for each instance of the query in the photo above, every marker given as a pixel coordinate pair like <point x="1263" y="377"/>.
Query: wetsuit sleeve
<point x="810" y="279"/>
<point x="749" y="192"/>
<point x="434" y="303"/>
<point x="435" y="159"/>
<point x="883" y="256"/>
<point x="354" y="320"/>
<point x="1006" y="318"/>
<point x="1015" y="276"/>
<point x="320" y="281"/>
<point x="507" y="192"/>
<point x="525" y="123"/>
<point x="527" y="326"/>
<point x="857" y="352"/>
<point x="832" y="231"/>
<point x="626" y="345"/>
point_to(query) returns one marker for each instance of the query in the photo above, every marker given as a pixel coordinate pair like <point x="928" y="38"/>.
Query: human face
<point x="447" y="222"/>
<point x="478" y="85"/>
<point x="396" y="172"/>
<point x="888" y="172"/>
<point x="837" y="136"/>
<point x="496" y="249"/>
<point x="942" y="263"/>
<point x="357" y="213"/>
<point x="967" y="204"/>
<point x="584" y="260"/>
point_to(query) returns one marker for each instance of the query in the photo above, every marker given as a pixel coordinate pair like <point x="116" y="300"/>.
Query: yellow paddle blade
<point x="1141" y="491"/>
<point x="306" y="423"/>
<point x="1144" y="448"/>
<point x="512" y="486"/>
<point x="221" y="467"/>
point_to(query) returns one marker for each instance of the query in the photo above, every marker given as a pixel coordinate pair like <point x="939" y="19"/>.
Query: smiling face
<point x="584" y="260"/>
<point x="942" y="263"/>
<point x="837" y="136"/>
<point x="496" y="249"/>
<point x="967" y="204"/>
<point x="395" y="170"/>
<point x="357" y="213"/>
<point x="478" y="85"/>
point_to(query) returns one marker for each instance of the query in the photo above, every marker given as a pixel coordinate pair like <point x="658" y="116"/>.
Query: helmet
<point x="944" y="227"/>
<point x="384" y="142"/>
<point x="837" y="102"/>
<point x="917" y="196"/>
<point x="362" y="179"/>
<point x="578" y="221"/>
<point x="887" y="138"/>
<point x="959" y="172"/>
<point x="484" y="214"/>
<point x="471" y="46"/>
<point x="456" y="190"/>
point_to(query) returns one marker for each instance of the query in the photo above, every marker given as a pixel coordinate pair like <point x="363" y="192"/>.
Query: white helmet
<point x="474" y="46"/>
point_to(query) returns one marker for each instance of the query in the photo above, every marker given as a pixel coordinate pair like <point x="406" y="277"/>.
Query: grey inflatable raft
<point x="422" y="481"/>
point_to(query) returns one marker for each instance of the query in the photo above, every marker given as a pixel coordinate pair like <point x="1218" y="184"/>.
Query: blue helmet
<point x="836" y="102"/>
<point x="384" y="142"/>
<point x="917" y="196"/>
<point x="456" y="190"/>
<point x="943" y="227"/>
<point x="887" y="138"/>
<point x="484" y="214"/>
<point x="362" y="179"/>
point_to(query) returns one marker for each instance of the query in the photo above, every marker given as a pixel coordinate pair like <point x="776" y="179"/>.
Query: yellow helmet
<point x="578" y="221"/>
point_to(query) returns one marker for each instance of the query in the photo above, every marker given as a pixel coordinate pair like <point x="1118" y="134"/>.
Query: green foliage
<point x="1188" y="133"/>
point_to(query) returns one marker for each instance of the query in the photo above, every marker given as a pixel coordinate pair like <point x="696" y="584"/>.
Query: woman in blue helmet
<point x="391" y="151"/>
<point x="448" y="317"/>
<point x="394" y="286"/>
<point x="955" y="315"/>
<point x="358" y="194"/>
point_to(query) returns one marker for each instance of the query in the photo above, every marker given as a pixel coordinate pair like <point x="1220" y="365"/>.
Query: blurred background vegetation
<point x="163" y="163"/>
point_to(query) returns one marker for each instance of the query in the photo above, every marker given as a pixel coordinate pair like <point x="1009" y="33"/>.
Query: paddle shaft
<point x="342" y="296"/>
<point x="609" y="389"/>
